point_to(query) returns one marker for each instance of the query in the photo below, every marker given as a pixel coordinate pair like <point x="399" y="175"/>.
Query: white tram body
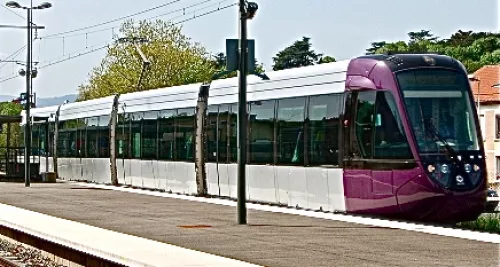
<point x="307" y="187"/>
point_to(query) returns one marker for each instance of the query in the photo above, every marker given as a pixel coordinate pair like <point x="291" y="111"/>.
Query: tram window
<point x="211" y="133"/>
<point x="70" y="140"/>
<point x="35" y="138"/>
<point x="290" y="135"/>
<point x="122" y="136"/>
<point x="149" y="134"/>
<point x="38" y="139"/>
<point x="62" y="144"/>
<point x="103" y="141"/>
<point x="323" y="130"/>
<point x="44" y="135"/>
<point x="261" y="137"/>
<point x="184" y="136"/>
<point x="92" y="136"/>
<point x="233" y="132"/>
<point x="51" y="139"/>
<point x="166" y="134"/>
<point x="390" y="139"/>
<point x="81" y="137"/>
<point x="135" y="131"/>
<point x="365" y="124"/>
<point x="224" y="134"/>
<point x="71" y="130"/>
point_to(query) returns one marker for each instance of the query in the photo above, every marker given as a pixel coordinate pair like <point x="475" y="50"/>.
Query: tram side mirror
<point x="378" y="120"/>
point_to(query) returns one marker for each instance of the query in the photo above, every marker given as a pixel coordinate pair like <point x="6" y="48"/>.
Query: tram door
<point x="372" y="143"/>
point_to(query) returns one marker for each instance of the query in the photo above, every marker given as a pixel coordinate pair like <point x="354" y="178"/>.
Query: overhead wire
<point x="11" y="11"/>
<point x="113" y="20"/>
<point x="183" y="9"/>
<point x="206" y="13"/>
<point x="20" y="16"/>
<point x="13" y="55"/>
<point x="72" y="56"/>
<point x="109" y="42"/>
<point x="194" y="16"/>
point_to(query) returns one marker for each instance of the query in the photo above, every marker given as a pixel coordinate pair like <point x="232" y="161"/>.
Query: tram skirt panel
<point x="336" y="190"/>
<point x="261" y="183"/>
<point x="317" y="188"/>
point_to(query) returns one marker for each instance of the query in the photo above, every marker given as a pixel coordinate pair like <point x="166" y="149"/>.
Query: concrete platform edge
<point x="427" y="229"/>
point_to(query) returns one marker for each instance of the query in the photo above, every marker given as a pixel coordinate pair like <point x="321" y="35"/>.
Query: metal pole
<point x="242" y="117"/>
<point x="46" y="147"/>
<point x="27" y="128"/>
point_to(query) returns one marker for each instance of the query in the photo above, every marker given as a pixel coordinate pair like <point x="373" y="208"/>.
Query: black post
<point x="46" y="147"/>
<point x="7" y="170"/>
<point x="242" y="117"/>
<point x="27" y="128"/>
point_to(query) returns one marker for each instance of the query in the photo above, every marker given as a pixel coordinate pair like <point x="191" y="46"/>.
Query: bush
<point x="485" y="223"/>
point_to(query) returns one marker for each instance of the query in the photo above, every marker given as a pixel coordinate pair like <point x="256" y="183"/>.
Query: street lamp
<point x="247" y="12"/>
<point x="28" y="73"/>
<point x="496" y="85"/>
<point x="14" y="4"/>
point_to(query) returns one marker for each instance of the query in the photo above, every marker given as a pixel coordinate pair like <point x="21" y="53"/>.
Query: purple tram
<point x="388" y="135"/>
<point x="430" y="164"/>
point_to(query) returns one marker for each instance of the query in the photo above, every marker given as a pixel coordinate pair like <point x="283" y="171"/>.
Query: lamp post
<point x="247" y="11"/>
<point x="27" y="129"/>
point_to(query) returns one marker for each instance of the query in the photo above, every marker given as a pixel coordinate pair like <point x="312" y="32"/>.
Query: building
<point x="485" y="84"/>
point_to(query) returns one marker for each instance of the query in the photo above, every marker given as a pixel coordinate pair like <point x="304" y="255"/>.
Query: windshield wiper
<point x="430" y="128"/>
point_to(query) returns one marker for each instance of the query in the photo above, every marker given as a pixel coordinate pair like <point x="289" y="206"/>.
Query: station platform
<point x="144" y="228"/>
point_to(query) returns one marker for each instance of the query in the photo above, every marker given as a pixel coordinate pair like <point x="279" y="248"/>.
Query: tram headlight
<point x="431" y="168"/>
<point x="445" y="169"/>
<point x="475" y="176"/>
<point x="467" y="168"/>
<point x="476" y="168"/>
<point x="440" y="173"/>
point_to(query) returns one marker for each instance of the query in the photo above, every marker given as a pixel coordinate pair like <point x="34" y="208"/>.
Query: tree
<point x="299" y="54"/>
<point x="422" y="35"/>
<point x="219" y="62"/>
<point x="473" y="49"/>
<point x="16" y="133"/>
<point x="326" y="59"/>
<point x="375" y="47"/>
<point x="175" y="60"/>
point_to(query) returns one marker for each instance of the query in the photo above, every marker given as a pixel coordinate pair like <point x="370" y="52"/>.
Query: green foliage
<point x="326" y="59"/>
<point x="299" y="54"/>
<point x="474" y="50"/>
<point x="219" y="63"/>
<point x="175" y="60"/>
<point x="11" y="109"/>
<point x="485" y="223"/>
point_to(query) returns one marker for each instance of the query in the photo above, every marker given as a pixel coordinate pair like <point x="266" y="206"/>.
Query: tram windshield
<point x="439" y="109"/>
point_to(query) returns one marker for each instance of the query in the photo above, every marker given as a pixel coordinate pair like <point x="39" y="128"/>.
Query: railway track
<point x="7" y="259"/>
<point x="15" y="254"/>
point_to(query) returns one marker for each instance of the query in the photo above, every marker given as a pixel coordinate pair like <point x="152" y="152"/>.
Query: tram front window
<point x="440" y="110"/>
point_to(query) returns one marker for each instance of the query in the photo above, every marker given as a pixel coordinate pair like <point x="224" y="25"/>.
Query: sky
<point x="342" y="29"/>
